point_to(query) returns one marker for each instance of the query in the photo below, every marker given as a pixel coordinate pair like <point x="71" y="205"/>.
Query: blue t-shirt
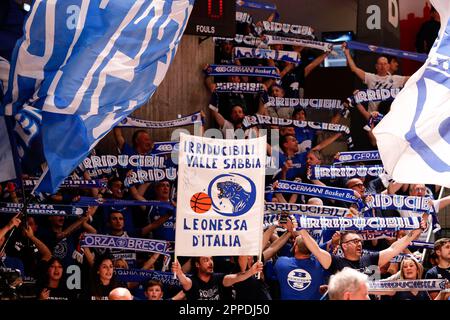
<point x="166" y="231"/>
<point x="299" y="165"/>
<point x="300" y="279"/>
<point x="306" y="137"/>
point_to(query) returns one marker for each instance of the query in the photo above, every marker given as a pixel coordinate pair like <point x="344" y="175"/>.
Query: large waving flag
<point x="87" y="64"/>
<point x="414" y="137"/>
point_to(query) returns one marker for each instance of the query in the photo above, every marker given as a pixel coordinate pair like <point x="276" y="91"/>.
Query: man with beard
<point x="229" y="127"/>
<point x="442" y="269"/>
<point x="207" y="285"/>
<point x="300" y="276"/>
<point x="351" y="245"/>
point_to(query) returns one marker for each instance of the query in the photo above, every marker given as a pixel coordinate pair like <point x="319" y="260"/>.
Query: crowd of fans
<point x="296" y="264"/>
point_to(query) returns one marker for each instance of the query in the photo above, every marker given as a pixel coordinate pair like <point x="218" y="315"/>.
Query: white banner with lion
<point x="220" y="201"/>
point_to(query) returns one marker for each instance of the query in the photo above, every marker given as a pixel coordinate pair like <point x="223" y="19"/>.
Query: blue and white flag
<point x="87" y="64"/>
<point x="387" y="51"/>
<point x="414" y="137"/>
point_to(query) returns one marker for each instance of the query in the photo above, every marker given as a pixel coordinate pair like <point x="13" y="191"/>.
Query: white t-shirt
<point x="389" y="81"/>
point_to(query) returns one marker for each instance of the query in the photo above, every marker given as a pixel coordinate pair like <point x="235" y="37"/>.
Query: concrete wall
<point x="181" y="91"/>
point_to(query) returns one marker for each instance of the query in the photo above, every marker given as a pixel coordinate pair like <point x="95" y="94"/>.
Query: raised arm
<point x="323" y="256"/>
<point x="118" y="136"/>
<point x="186" y="283"/>
<point x="231" y="279"/>
<point x="45" y="252"/>
<point x="315" y="63"/>
<point x="401" y="244"/>
<point x="358" y="71"/>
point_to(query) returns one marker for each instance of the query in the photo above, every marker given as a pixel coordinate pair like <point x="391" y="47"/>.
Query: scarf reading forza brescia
<point x="124" y="243"/>
<point x="183" y="121"/>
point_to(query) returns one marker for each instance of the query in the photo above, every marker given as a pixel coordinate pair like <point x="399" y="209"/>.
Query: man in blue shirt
<point x="301" y="276"/>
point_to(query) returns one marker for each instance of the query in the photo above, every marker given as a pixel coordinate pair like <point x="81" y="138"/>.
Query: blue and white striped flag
<point x="87" y="64"/>
<point x="414" y="137"/>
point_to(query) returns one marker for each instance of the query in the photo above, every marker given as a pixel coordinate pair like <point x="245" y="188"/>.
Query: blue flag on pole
<point x="414" y="137"/>
<point x="87" y="64"/>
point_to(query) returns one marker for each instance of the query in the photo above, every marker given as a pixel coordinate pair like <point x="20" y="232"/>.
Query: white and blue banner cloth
<point x="357" y="156"/>
<point x="372" y="95"/>
<point x="233" y="70"/>
<point x="124" y="243"/>
<point x="355" y="45"/>
<point x="130" y="122"/>
<point x="414" y="137"/>
<point x="89" y="69"/>
<point x="41" y="209"/>
<point x="279" y="102"/>
<point x="141" y="275"/>
<point x="408" y="285"/>
<point x="260" y="53"/>
<point x="357" y="224"/>
<point x="239" y="87"/>
<point x="336" y="171"/>
<point x="220" y="198"/>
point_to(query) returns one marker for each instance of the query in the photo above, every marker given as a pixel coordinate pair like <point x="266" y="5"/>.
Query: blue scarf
<point x="387" y="51"/>
<point x="130" y="122"/>
<point x="69" y="183"/>
<point x="41" y="209"/>
<point x="164" y="147"/>
<point x="356" y="156"/>
<point x="105" y="202"/>
<point x="124" y="243"/>
<point x="305" y="209"/>
<point x="408" y="285"/>
<point x="239" y="87"/>
<point x="320" y="172"/>
<point x="140" y="275"/>
<point x="372" y="95"/>
<point x="306" y="103"/>
<point x="398" y="202"/>
<point x="357" y="224"/>
<point x="346" y="195"/>
<point x="251" y="71"/>
<point x="258" y="53"/>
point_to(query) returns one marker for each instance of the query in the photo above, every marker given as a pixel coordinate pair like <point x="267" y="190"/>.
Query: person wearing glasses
<point x="351" y="245"/>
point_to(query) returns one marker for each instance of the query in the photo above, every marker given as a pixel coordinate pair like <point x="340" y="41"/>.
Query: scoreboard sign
<point x="215" y="18"/>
